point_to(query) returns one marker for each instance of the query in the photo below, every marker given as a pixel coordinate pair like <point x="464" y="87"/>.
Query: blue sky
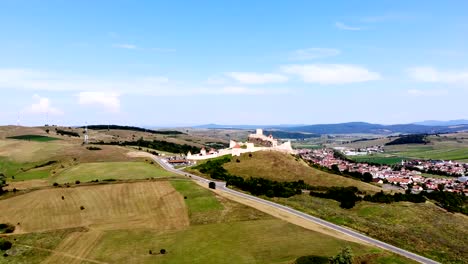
<point x="232" y="62"/>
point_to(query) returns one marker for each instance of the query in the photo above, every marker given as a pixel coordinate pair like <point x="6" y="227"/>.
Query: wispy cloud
<point x="95" y="90"/>
<point x="27" y="79"/>
<point x="343" y="26"/>
<point x="313" y="53"/>
<point x="107" y="100"/>
<point x="331" y="73"/>
<point x="430" y="74"/>
<point x="416" y="92"/>
<point x="257" y="78"/>
<point x="125" y="46"/>
<point x="42" y="105"/>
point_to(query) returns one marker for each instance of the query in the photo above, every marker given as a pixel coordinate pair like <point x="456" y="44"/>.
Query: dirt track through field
<point x="156" y="205"/>
<point x="77" y="244"/>
<point x="65" y="258"/>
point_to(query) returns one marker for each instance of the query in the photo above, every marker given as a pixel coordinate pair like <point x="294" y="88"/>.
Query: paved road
<point x="349" y="232"/>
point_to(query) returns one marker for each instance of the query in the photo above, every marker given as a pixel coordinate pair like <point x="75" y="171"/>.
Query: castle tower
<point x="259" y="132"/>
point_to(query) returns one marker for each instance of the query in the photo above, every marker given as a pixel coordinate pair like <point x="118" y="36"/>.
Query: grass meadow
<point x="86" y="172"/>
<point x="422" y="228"/>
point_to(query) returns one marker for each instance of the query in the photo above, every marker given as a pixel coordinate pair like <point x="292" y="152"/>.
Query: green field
<point x="421" y="228"/>
<point x="198" y="199"/>
<point x="37" y="138"/>
<point x="261" y="241"/>
<point x="23" y="171"/>
<point x="430" y="152"/>
<point x="379" y="159"/>
<point x="86" y="172"/>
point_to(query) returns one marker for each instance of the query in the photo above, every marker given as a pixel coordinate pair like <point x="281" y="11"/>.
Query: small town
<point x="409" y="176"/>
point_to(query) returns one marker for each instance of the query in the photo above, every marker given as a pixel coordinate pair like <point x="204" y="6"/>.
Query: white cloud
<point x="416" y="92"/>
<point x="430" y="74"/>
<point x="27" y="79"/>
<point x="109" y="101"/>
<point x="342" y="26"/>
<point x="331" y="73"/>
<point x="125" y="46"/>
<point x="42" y="106"/>
<point x="257" y="78"/>
<point x="313" y="53"/>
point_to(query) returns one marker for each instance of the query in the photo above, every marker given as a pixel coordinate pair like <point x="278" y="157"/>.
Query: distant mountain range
<point x="360" y="127"/>
<point x="217" y="126"/>
<point x="443" y="123"/>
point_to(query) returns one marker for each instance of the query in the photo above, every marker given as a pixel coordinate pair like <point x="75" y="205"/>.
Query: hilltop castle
<point x="255" y="142"/>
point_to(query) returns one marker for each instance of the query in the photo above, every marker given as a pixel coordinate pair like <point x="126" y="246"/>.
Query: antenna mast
<point x="86" y="134"/>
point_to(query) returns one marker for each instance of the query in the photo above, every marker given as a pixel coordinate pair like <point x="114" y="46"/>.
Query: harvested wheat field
<point x="154" y="205"/>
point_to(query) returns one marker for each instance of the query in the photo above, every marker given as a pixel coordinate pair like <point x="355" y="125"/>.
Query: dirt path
<point x="78" y="244"/>
<point x="65" y="256"/>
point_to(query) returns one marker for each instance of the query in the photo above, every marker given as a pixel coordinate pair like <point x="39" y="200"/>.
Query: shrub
<point x="6" y="228"/>
<point x="312" y="260"/>
<point x="55" y="184"/>
<point x="81" y="207"/>
<point x="162" y="251"/>
<point x="5" y="244"/>
<point x="77" y="182"/>
<point x="93" y="148"/>
<point x="344" y="257"/>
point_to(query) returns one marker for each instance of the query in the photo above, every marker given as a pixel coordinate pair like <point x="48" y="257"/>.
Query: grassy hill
<point x="422" y="228"/>
<point x="284" y="167"/>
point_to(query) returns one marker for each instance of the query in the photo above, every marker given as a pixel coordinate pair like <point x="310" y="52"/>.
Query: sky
<point x="178" y="63"/>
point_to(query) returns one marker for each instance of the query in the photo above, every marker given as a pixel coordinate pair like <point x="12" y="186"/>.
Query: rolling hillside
<point x="284" y="167"/>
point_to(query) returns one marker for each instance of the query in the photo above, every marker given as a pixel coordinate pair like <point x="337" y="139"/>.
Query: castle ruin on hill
<point x="255" y="142"/>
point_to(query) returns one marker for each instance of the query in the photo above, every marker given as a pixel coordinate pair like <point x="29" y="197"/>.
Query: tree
<point x="5" y="244"/>
<point x="335" y="168"/>
<point x="344" y="257"/>
<point x="212" y="185"/>
<point x="440" y="186"/>
<point x="47" y="131"/>
<point x="367" y="177"/>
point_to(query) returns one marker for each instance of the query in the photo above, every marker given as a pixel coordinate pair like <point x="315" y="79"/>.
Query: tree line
<point x="132" y="128"/>
<point x="155" y="144"/>
<point x="409" y="139"/>
<point x="66" y="133"/>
